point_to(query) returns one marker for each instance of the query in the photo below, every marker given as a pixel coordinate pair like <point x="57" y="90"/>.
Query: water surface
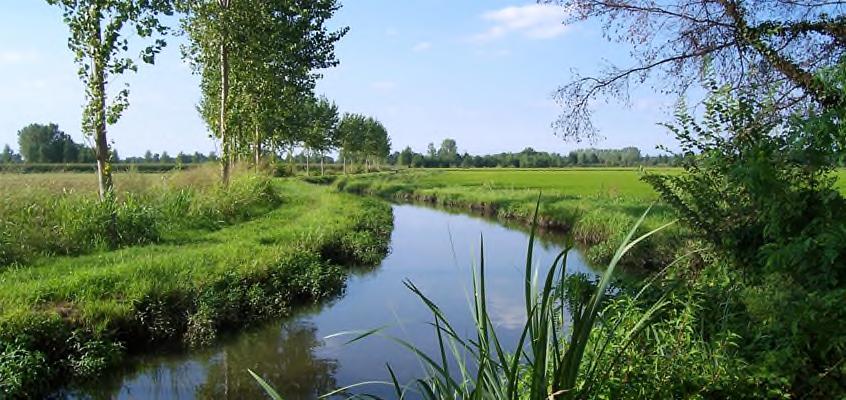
<point x="432" y="248"/>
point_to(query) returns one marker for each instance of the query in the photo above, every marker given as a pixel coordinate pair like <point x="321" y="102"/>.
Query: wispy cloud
<point x="391" y="31"/>
<point x="533" y="21"/>
<point x="8" y="57"/>
<point x="422" y="46"/>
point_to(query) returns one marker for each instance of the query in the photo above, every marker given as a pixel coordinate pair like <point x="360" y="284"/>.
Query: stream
<point x="435" y="249"/>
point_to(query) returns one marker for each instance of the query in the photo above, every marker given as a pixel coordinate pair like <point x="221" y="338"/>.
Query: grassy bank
<point x="597" y="205"/>
<point x="64" y="317"/>
<point x="60" y="214"/>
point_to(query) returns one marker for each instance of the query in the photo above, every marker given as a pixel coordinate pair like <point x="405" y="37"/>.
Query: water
<point x="432" y="248"/>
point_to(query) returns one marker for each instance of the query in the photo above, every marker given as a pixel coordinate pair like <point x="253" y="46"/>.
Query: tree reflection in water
<point x="289" y="363"/>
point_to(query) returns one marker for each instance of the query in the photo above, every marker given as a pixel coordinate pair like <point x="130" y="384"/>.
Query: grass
<point x="578" y="341"/>
<point x="596" y="205"/>
<point x="583" y="182"/>
<point x="67" y="317"/>
<point x="60" y="214"/>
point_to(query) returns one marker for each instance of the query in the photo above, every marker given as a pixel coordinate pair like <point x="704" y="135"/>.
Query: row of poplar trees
<point x="258" y="61"/>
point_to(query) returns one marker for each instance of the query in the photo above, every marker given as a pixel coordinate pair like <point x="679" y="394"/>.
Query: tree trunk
<point x="226" y="158"/>
<point x="98" y="97"/>
<point x="321" y="163"/>
<point x="101" y="143"/>
<point x="257" y="148"/>
<point x="307" y="162"/>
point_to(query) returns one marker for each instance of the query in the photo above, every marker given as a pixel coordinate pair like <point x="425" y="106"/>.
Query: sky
<point x="480" y="72"/>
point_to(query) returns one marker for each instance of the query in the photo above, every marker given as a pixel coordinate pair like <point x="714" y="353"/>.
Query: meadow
<point x="597" y="205"/>
<point x="236" y="256"/>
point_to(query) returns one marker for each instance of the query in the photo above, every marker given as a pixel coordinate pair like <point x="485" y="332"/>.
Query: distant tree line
<point x="447" y="155"/>
<point x="358" y="139"/>
<point x="165" y="158"/>
<point x="47" y="144"/>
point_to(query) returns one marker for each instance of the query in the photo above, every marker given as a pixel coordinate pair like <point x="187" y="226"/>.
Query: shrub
<point x="759" y="191"/>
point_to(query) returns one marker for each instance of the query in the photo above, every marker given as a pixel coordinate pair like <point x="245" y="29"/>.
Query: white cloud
<point x="533" y="21"/>
<point x="391" y="32"/>
<point x="422" y="46"/>
<point x="383" y="86"/>
<point x="9" y="57"/>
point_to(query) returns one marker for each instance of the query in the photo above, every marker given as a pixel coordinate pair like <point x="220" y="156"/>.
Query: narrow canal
<point x="434" y="249"/>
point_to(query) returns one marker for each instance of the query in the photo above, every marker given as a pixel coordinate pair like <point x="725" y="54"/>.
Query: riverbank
<point x="64" y="318"/>
<point x="598" y="206"/>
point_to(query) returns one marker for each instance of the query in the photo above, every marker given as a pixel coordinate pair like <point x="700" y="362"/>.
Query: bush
<point x="760" y="193"/>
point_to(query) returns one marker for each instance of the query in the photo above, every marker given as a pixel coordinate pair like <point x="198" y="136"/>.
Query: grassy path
<point x="75" y="316"/>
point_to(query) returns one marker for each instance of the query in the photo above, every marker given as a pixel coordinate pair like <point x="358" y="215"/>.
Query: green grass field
<point x="597" y="205"/>
<point x="589" y="182"/>
<point x="63" y="316"/>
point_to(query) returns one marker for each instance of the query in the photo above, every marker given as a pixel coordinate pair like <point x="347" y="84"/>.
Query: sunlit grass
<point x="549" y="359"/>
<point x="596" y="205"/>
<point x="58" y="310"/>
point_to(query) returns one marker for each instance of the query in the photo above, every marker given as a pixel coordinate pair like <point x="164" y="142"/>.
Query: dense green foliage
<point x="73" y="317"/>
<point x="762" y="195"/>
<point x="258" y="63"/>
<point x="47" y="144"/>
<point x="363" y="139"/>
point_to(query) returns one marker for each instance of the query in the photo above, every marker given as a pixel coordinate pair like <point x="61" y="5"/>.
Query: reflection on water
<point x="434" y="249"/>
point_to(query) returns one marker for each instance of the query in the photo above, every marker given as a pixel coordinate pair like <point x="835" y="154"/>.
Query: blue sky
<point x="482" y="73"/>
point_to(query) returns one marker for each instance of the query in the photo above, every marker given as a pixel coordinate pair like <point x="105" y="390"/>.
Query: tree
<point x="321" y="133"/>
<point x="763" y="47"/>
<point x="99" y="47"/>
<point x="377" y="144"/>
<point x="405" y="157"/>
<point x="257" y="60"/>
<point x="351" y="131"/>
<point x="448" y="152"/>
<point x="7" y="156"/>
<point x="48" y="144"/>
<point x="431" y="152"/>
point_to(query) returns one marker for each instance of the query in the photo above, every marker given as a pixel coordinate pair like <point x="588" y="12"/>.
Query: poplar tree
<point x="100" y="47"/>
<point x="257" y="59"/>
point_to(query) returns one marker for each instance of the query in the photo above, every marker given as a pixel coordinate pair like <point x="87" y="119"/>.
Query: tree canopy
<point x="774" y="48"/>
<point x="258" y="61"/>
<point x="47" y="144"/>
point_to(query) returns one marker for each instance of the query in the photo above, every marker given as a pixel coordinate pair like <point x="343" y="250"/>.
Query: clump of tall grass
<point x="548" y="361"/>
<point x="53" y="220"/>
